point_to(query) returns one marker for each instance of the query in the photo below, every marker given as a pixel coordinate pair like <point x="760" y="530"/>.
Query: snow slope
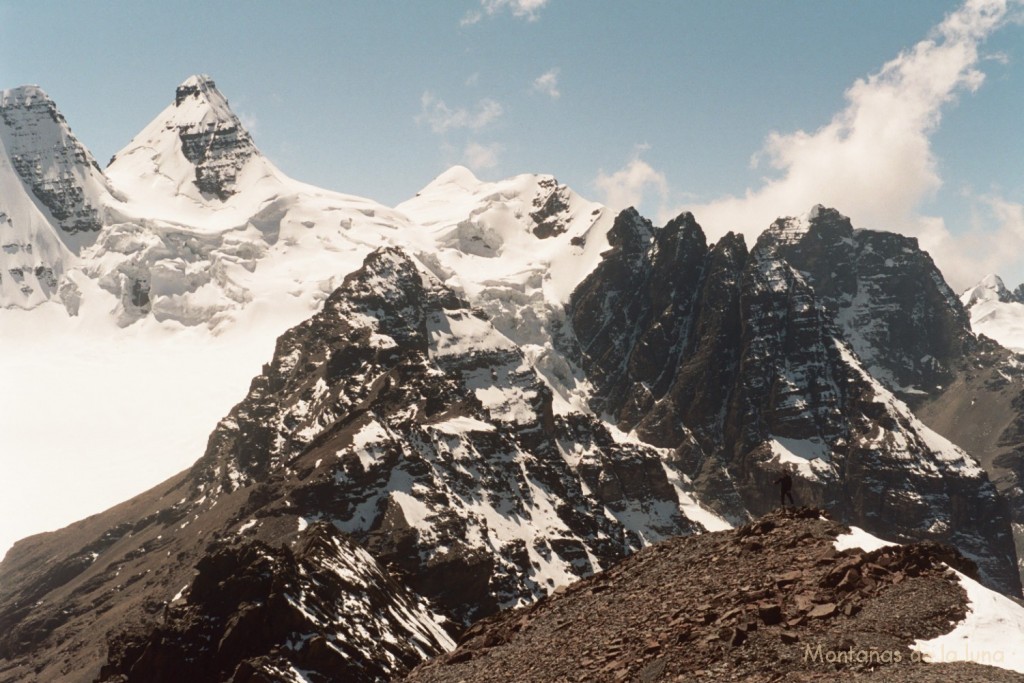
<point x="992" y="632"/>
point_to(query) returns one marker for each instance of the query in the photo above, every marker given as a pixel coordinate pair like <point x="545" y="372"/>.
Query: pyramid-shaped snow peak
<point x="58" y="173"/>
<point x="990" y="288"/>
<point x="52" y="197"/>
<point x="195" y="150"/>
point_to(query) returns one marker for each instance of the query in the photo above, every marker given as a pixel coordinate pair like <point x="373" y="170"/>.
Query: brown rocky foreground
<point x="769" y="601"/>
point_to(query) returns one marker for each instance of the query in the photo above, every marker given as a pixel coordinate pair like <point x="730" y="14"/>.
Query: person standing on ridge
<point x="785" y="483"/>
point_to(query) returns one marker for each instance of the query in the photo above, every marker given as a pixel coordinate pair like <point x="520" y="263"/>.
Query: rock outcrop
<point x="772" y="600"/>
<point x="51" y="197"/>
<point x="415" y="426"/>
<point x="257" y="613"/>
<point x="217" y="148"/>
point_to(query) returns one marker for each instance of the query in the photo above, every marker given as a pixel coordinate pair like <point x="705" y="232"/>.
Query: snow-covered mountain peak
<point x="195" y="154"/>
<point x="990" y="288"/>
<point x="537" y="203"/>
<point x="512" y="232"/>
<point x="996" y="312"/>
<point x="22" y="95"/>
<point x="52" y="195"/>
<point x="198" y="103"/>
<point x="196" y="84"/>
<point x="64" y="181"/>
<point x="992" y="280"/>
<point x="455" y="178"/>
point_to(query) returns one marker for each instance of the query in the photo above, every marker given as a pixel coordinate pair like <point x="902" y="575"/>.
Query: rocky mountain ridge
<point x="401" y="417"/>
<point x="771" y="600"/>
<point x="740" y="348"/>
<point x="505" y="389"/>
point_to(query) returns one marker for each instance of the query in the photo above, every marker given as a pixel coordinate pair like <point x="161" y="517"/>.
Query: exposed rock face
<point x="426" y="435"/>
<point x="743" y="605"/>
<point x="218" y="148"/>
<point x="982" y="409"/>
<point x="888" y="298"/>
<point x="743" y="350"/>
<point x="50" y="160"/>
<point x="401" y="417"/>
<point x="256" y="613"/>
<point x="51" y="193"/>
<point x="914" y="336"/>
<point x="552" y="211"/>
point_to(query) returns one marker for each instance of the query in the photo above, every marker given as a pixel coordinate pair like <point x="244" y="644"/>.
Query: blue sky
<point x="739" y="111"/>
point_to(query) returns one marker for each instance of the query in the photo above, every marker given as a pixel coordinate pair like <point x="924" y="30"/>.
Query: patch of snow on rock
<point x="992" y="632"/>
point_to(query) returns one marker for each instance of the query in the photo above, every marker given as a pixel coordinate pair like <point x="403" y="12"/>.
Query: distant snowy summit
<point x="195" y="164"/>
<point x="997" y="312"/>
<point x="191" y="224"/>
<point x="53" y="197"/>
<point x="992" y="288"/>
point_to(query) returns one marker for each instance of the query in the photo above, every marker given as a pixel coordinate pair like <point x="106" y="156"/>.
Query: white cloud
<point x="994" y="243"/>
<point x="523" y="9"/>
<point x="873" y="161"/>
<point x="249" y="121"/>
<point x="481" y="157"/>
<point x="629" y="185"/>
<point x="547" y="83"/>
<point x="441" y="118"/>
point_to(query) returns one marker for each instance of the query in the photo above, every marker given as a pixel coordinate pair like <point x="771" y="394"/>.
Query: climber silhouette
<point x="785" y="482"/>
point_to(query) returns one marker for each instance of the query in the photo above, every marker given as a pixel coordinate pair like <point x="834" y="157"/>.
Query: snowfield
<point x="992" y="633"/>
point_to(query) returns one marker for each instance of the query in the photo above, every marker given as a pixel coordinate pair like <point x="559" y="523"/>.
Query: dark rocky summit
<point x="218" y="149"/>
<point x="886" y="296"/>
<point x="742" y="362"/>
<point x="552" y="209"/>
<point x="772" y="600"/>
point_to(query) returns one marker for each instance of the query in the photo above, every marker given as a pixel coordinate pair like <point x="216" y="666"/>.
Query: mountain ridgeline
<point x="742" y="349"/>
<point x="503" y="389"/>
